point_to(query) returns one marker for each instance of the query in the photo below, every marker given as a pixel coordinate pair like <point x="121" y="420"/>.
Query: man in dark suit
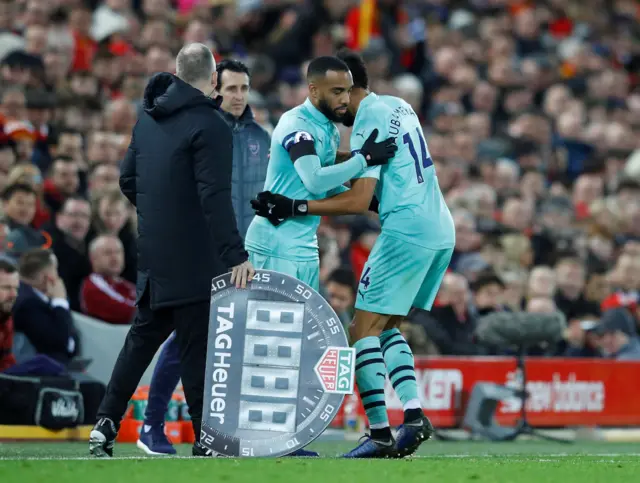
<point x="177" y="172"/>
<point x="41" y="311"/>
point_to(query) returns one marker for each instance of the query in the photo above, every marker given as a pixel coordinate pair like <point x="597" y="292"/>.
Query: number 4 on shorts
<point x="365" y="278"/>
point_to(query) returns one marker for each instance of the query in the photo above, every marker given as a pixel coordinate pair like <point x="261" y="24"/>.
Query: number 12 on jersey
<point x="426" y="159"/>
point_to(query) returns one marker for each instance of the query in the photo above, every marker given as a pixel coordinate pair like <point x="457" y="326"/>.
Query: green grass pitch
<point x="436" y="462"/>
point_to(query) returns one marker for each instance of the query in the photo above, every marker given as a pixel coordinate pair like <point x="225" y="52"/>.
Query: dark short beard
<point x="348" y="119"/>
<point x="329" y="113"/>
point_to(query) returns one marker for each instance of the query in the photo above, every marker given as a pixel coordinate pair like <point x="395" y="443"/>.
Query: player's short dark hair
<point x="343" y="276"/>
<point x="233" y="66"/>
<point x="6" y="266"/>
<point x="12" y="189"/>
<point x="357" y="67"/>
<point x="34" y="261"/>
<point x="319" y="66"/>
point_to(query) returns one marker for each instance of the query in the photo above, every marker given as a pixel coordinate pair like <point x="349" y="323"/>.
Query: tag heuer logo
<point x="336" y="370"/>
<point x="261" y="395"/>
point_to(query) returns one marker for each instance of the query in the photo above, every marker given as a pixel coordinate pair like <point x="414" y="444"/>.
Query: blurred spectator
<point x="619" y="335"/>
<point x="29" y="174"/>
<point x="517" y="251"/>
<point x="105" y="295"/>
<point x="450" y="323"/>
<point x="625" y="282"/>
<point x="581" y="338"/>
<point x="7" y="160"/>
<point x="541" y="305"/>
<point x="467" y="237"/>
<point x="542" y="283"/>
<point x="515" y="282"/>
<point x="9" y="282"/>
<point x="63" y="182"/>
<point x="417" y="339"/>
<point x="111" y="215"/>
<point x="488" y="292"/>
<point x="570" y="274"/>
<point x="41" y="311"/>
<point x="341" y="293"/>
<point x="19" y="205"/>
<point x="69" y="244"/>
<point x="103" y="177"/>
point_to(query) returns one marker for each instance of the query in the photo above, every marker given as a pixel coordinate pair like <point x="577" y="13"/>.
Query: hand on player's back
<point x="378" y="153"/>
<point x="277" y="208"/>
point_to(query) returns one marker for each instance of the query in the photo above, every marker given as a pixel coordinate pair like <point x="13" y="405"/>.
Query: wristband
<point x="300" y="208"/>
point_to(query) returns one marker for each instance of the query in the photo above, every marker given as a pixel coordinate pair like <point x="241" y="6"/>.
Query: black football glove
<point x="378" y="153"/>
<point x="277" y="208"/>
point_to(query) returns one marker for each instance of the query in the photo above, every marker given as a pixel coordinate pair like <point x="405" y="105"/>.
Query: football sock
<point x="402" y="374"/>
<point x="370" y="377"/>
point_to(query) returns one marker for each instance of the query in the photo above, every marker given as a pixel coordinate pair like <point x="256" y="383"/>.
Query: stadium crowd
<point x="531" y="111"/>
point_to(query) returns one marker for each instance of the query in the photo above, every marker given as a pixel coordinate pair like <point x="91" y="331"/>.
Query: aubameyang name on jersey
<point x="394" y="124"/>
<point x="221" y="356"/>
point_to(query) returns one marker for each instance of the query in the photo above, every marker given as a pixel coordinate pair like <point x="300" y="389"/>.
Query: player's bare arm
<point x="342" y="156"/>
<point x="356" y="200"/>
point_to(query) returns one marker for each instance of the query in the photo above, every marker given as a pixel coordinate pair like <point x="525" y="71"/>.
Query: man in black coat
<point x="177" y="172"/>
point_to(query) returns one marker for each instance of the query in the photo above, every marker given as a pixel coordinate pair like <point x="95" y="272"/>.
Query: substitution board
<point x="278" y="366"/>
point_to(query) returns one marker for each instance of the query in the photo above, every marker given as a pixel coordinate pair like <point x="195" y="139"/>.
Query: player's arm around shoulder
<point x="350" y="202"/>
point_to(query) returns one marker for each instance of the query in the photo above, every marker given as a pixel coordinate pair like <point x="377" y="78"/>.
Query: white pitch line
<point x="542" y="458"/>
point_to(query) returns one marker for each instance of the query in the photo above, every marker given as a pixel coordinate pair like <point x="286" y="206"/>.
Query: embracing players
<point x="405" y="267"/>
<point x="304" y="152"/>
<point x="302" y="164"/>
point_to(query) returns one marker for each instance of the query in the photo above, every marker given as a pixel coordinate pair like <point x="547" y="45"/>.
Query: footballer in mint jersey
<point x="302" y="164"/>
<point x="412" y="207"/>
<point x="405" y="267"/>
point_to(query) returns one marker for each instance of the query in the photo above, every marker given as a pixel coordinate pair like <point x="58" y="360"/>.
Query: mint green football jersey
<point x="311" y="176"/>
<point x="411" y="204"/>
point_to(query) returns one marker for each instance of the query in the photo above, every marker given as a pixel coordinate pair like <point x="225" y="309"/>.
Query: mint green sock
<point x="370" y="377"/>
<point x="402" y="373"/>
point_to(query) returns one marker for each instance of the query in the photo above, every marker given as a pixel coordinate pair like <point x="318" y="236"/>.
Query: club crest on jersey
<point x="254" y="147"/>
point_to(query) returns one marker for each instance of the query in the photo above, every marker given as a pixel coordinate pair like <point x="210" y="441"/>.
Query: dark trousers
<point x="164" y="381"/>
<point x="148" y="331"/>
